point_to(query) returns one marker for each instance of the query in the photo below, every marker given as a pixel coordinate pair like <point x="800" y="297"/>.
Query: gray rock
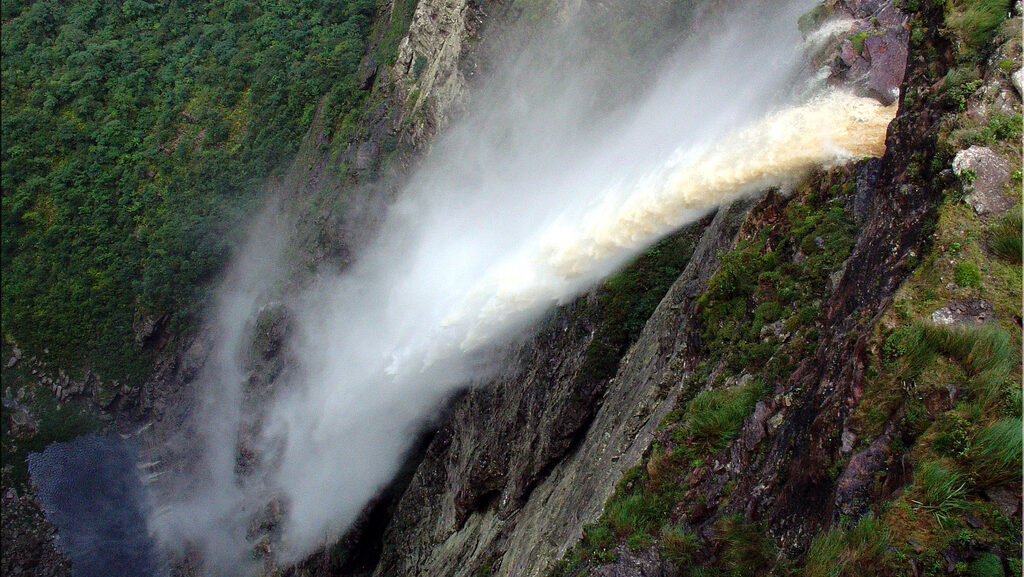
<point x="776" y="329"/>
<point x="630" y="564"/>
<point x="1018" y="79"/>
<point x="963" y="312"/>
<point x="1005" y="498"/>
<point x="990" y="174"/>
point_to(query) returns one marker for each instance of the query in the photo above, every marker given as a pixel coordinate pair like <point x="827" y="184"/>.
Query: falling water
<point x="527" y="201"/>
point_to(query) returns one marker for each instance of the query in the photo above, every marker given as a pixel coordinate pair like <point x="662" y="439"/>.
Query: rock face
<point x="985" y="174"/>
<point x="29" y="547"/>
<point x="428" y="57"/>
<point x="473" y="505"/>
<point x="871" y="52"/>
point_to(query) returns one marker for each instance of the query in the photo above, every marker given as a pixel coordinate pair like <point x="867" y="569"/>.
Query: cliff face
<point x="590" y="455"/>
<point x="522" y="465"/>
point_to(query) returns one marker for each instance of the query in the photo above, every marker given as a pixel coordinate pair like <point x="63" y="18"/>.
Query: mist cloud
<point x="539" y="191"/>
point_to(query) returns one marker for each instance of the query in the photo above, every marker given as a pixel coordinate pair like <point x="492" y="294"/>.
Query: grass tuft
<point x="845" y="552"/>
<point x="995" y="453"/>
<point x="940" y="490"/>
<point x="714" y="417"/>
<point x="1004" y="237"/>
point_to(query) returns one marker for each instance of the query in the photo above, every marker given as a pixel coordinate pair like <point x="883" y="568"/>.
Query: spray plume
<point x="540" y="191"/>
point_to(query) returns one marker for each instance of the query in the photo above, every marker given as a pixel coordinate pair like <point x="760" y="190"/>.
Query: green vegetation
<point x="847" y="551"/>
<point x="712" y="419"/>
<point x="939" y="490"/>
<point x="757" y="284"/>
<point x="953" y="393"/>
<point x="134" y="134"/>
<point x="1004" y="236"/>
<point x="974" y="22"/>
<point x="628" y="299"/>
<point x="995" y="453"/>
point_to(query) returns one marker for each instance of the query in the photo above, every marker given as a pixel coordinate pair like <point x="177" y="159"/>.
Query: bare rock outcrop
<point x="985" y="174"/>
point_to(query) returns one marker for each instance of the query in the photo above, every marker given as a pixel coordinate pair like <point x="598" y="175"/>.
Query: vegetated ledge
<point x="871" y="447"/>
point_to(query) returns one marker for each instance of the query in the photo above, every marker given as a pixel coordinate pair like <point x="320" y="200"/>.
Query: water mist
<point x="541" y="189"/>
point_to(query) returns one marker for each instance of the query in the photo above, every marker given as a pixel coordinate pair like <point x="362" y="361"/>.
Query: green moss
<point x="988" y="565"/>
<point x="627" y="300"/>
<point x="968" y="275"/>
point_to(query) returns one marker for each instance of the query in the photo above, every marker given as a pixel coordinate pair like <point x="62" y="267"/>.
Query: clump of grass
<point x="976" y="21"/>
<point x="639" y="541"/>
<point x="995" y="453"/>
<point x="939" y="490"/>
<point x="679" y="545"/>
<point x="1004" y="237"/>
<point x="745" y="552"/>
<point x="985" y="353"/>
<point x="714" y="417"/>
<point x="845" y="552"/>
<point x="636" y="513"/>
<point x="988" y="565"/>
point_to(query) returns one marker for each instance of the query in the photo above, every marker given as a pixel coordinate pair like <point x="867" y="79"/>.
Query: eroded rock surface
<point x="986" y="174"/>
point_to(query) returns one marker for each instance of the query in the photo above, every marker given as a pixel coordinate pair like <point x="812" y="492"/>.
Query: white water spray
<point x="524" y="204"/>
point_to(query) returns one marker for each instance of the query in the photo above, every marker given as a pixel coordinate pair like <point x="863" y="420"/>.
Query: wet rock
<point x="847" y="439"/>
<point x="366" y="155"/>
<point x="15" y="357"/>
<point x="367" y="72"/>
<point x="987" y="173"/>
<point x="866" y="181"/>
<point x="147" y="329"/>
<point x="873" y="53"/>
<point x="29" y="540"/>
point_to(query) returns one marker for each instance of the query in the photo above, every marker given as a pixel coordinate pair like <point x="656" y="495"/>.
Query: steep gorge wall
<point x="476" y="504"/>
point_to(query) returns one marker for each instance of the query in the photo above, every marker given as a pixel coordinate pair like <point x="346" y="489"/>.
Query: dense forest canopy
<point x="134" y="134"/>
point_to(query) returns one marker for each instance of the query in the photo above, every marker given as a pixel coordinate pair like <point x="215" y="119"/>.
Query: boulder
<point x="987" y="174"/>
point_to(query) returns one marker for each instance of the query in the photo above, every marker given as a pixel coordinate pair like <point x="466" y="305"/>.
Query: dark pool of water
<point x="91" y="492"/>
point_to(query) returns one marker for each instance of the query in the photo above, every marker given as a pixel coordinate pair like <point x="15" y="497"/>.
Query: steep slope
<point x="756" y="413"/>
